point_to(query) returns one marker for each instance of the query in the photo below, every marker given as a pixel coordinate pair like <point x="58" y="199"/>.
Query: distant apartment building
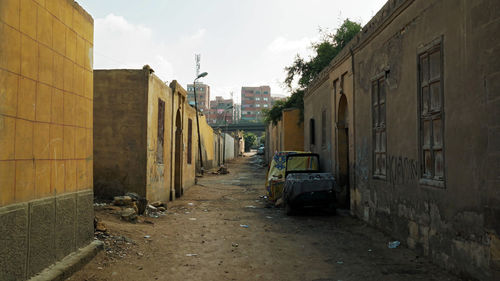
<point x="253" y="100"/>
<point x="221" y="109"/>
<point x="202" y="95"/>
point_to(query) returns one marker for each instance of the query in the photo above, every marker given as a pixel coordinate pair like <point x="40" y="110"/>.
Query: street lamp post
<point x="197" y="121"/>
<point x="225" y="133"/>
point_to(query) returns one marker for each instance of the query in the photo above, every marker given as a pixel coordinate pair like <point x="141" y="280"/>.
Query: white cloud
<point x="121" y="44"/>
<point x="282" y="44"/>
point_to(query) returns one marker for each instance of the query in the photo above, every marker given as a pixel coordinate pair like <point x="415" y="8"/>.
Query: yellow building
<point x="286" y="135"/>
<point x="45" y="134"/>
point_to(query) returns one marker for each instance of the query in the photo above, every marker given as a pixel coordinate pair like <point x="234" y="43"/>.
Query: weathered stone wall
<point x="46" y="209"/>
<point x="158" y="173"/>
<point x="120" y="137"/>
<point x="456" y="221"/>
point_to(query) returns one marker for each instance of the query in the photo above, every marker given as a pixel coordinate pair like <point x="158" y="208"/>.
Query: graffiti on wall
<point x="401" y="170"/>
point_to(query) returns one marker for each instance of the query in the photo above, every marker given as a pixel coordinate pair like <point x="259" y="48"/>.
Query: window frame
<point x="378" y="128"/>
<point x="431" y="114"/>
<point x="160" y="134"/>
<point x="190" y="141"/>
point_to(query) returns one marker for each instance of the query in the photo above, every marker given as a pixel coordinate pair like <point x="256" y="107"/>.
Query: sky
<point x="242" y="43"/>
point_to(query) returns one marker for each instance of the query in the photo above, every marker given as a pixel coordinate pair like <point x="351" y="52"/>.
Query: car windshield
<point x="302" y="163"/>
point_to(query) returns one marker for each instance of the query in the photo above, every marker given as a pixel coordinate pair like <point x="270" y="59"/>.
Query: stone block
<point x="85" y="218"/>
<point x="69" y="109"/>
<point x="25" y="180"/>
<point x="28" y="18"/>
<point x="57" y="176"/>
<point x="65" y="225"/>
<point x="68" y="75"/>
<point x="29" y="57"/>
<point x="69" y="143"/>
<point x="46" y="64"/>
<point x="43" y="102"/>
<point x="7" y="137"/>
<point x="26" y="99"/>
<point x="70" y="45"/>
<point x="70" y="175"/>
<point x="44" y="27"/>
<point x="59" y="37"/>
<point x="56" y="141"/>
<point x="57" y="113"/>
<point x="41" y="141"/>
<point x="42" y="239"/>
<point x="42" y="178"/>
<point x="13" y="241"/>
<point x="9" y="85"/>
<point x="9" y="12"/>
<point x="10" y="48"/>
<point x="58" y="74"/>
<point x="81" y="175"/>
<point x="7" y="182"/>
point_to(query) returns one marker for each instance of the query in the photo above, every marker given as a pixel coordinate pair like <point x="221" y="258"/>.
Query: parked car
<point x="260" y="150"/>
<point x="305" y="186"/>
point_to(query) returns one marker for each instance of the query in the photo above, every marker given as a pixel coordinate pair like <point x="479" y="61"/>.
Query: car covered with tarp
<point x="275" y="178"/>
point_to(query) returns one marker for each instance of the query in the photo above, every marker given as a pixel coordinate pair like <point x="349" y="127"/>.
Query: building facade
<point x="414" y="129"/>
<point x="253" y="101"/>
<point x="46" y="199"/>
<point x="155" y="160"/>
<point x="286" y="135"/>
<point x="202" y="96"/>
<point x="221" y="111"/>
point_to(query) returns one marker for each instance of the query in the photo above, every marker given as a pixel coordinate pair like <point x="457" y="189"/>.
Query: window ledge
<point x="432" y="183"/>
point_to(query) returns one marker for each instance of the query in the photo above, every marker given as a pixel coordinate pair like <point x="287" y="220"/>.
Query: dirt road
<point x="221" y="229"/>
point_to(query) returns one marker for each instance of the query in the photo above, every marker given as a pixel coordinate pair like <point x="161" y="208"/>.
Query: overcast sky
<point x="242" y="43"/>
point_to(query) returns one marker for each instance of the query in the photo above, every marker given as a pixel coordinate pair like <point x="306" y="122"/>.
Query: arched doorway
<point x="178" y="155"/>
<point x="343" y="153"/>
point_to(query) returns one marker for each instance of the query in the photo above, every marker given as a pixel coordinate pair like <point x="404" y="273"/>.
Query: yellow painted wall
<point x="158" y="174"/>
<point x="189" y="170"/>
<point x="293" y="130"/>
<point x="45" y="99"/>
<point x="207" y="145"/>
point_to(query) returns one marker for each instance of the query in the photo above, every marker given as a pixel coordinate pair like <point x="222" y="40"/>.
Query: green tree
<point x="305" y="71"/>
<point x="250" y="139"/>
<point x="325" y="50"/>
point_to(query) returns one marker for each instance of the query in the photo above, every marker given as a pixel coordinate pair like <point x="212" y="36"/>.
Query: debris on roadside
<point x="122" y="200"/>
<point x="99" y="226"/>
<point x="223" y="170"/>
<point x="244" y="225"/>
<point x="279" y="203"/>
<point x="129" y="214"/>
<point x="191" y="255"/>
<point x="393" y="244"/>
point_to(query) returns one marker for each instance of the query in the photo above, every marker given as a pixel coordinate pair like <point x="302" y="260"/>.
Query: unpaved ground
<point x="200" y="238"/>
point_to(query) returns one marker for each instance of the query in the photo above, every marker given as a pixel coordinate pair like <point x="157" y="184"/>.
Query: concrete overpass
<point x="247" y="127"/>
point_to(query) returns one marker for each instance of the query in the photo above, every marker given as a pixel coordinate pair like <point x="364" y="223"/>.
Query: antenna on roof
<point x="197" y="58"/>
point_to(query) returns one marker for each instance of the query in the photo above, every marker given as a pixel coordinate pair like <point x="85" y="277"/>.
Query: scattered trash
<point x="187" y="212"/>
<point x="234" y="244"/>
<point x="340" y="262"/>
<point x="129" y="214"/>
<point x="191" y="255"/>
<point x="122" y="200"/>
<point x="147" y="236"/>
<point x="191" y="204"/>
<point x="192" y="219"/>
<point x="223" y="170"/>
<point x="100" y="268"/>
<point x="205" y="210"/>
<point x="244" y="225"/>
<point x="157" y="204"/>
<point x="250" y="206"/>
<point x="279" y="203"/>
<point x="161" y="209"/>
<point x="269" y="217"/>
<point x="369" y="250"/>
<point x="393" y="244"/>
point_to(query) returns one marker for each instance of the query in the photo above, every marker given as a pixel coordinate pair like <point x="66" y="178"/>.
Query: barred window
<point x="379" y="128"/>
<point x="430" y="94"/>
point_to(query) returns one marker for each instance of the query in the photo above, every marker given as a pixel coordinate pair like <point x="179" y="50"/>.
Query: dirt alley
<point x="202" y="237"/>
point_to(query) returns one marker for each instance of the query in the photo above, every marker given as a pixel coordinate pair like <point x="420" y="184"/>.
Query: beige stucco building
<point x="145" y="138"/>
<point x="417" y="116"/>
<point x="46" y="209"/>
